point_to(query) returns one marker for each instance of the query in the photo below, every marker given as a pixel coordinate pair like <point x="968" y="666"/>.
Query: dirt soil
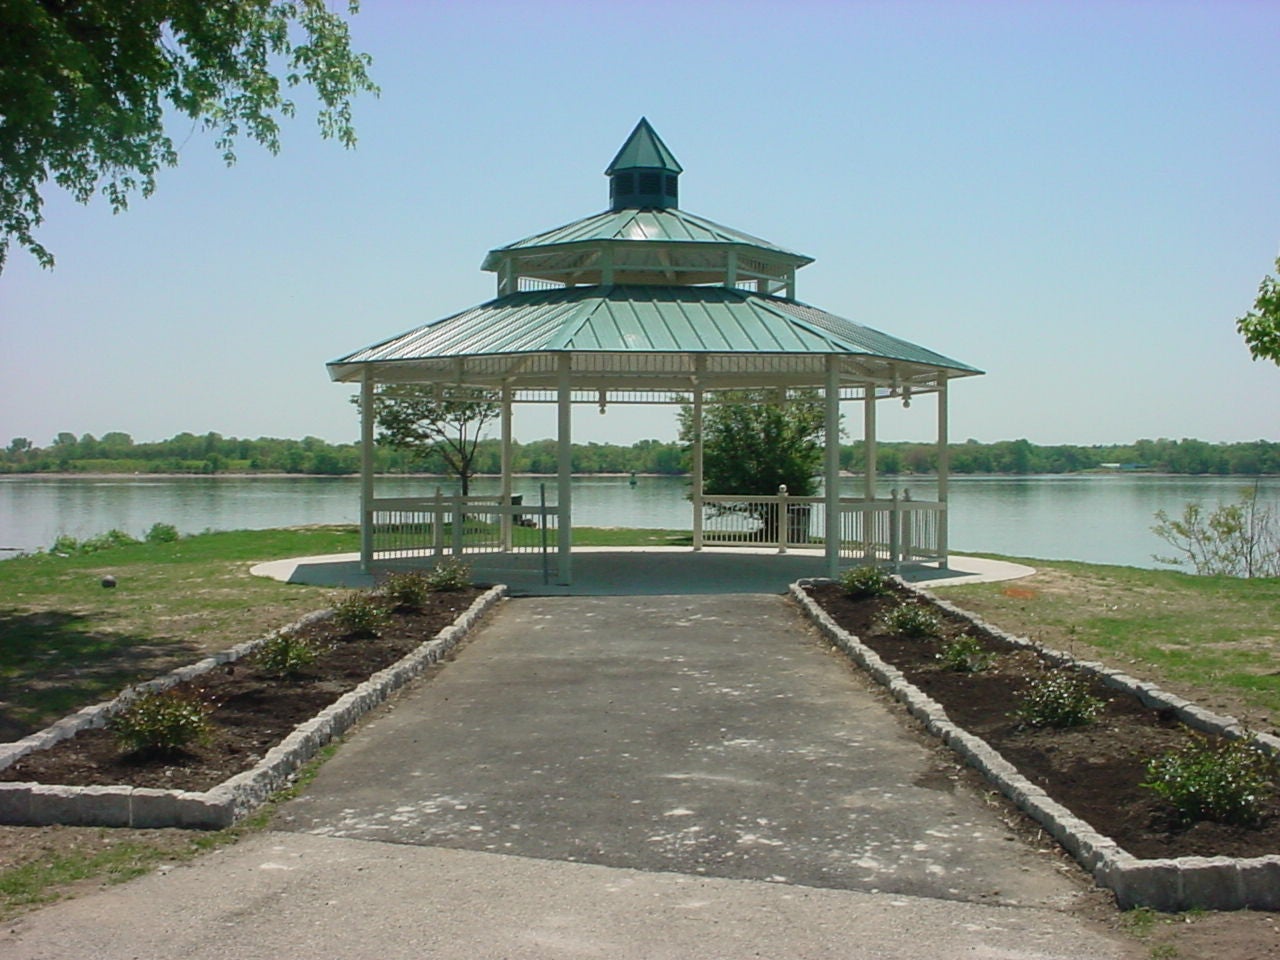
<point x="253" y="711"/>
<point x="1094" y="770"/>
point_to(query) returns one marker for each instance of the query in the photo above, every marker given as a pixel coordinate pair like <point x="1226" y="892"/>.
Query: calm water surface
<point x="1096" y="518"/>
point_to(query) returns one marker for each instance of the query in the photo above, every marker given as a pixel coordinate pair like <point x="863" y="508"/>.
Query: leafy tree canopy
<point x="85" y="84"/>
<point x="751" y="444"/>
<point x="1260" y="327"/>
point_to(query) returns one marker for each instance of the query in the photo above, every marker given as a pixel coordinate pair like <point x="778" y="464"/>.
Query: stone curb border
<point x="1211" y="883"/>
<point x="38" y="804"/>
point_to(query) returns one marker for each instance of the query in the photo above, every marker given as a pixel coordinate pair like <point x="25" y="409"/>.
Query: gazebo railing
<point x="439" y="525"/>
<point x="893" y="531"/>
<point x="753" y="521"/>
<point x="887" y="531"/>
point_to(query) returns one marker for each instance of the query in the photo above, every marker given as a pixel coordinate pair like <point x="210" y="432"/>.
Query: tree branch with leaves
<point x="85" y="87"/>
<point x="1260" y="327"/>
<point x="447" y="421"/>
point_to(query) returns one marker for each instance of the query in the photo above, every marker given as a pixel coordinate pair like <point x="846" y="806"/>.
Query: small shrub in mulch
<point x="286" y="655"/>
<point x="1229" y="782"/>
<point x="910" y="620"/>
<point x="1059" y="699"/>
<point x="451" y="573"/>
<point x="860" y="583"/>
<point x="407" y="590"/>
<point x="965" y="654"/>
<point x="162" y="724"/>
<point x="361" y="614"/>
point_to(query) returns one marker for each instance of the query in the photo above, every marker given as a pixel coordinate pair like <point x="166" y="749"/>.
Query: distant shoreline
<point x="247" y="475"/>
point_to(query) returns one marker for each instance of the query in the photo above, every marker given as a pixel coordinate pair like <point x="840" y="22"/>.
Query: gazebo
<point x="646" y="303"/>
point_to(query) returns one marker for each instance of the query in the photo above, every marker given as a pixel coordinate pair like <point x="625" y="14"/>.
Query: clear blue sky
<point x="1079" y="198"/>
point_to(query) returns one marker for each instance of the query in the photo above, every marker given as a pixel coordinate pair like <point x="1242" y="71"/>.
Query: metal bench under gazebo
<point x="648" y="304"/>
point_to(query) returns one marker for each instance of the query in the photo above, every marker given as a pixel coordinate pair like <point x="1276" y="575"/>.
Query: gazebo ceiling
<point x="647" y="337"/>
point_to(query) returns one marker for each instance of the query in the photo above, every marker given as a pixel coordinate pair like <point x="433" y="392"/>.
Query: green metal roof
<point x="642" y="320"/>
<point x="644" y="149"/>
<point x="643" y="225"/>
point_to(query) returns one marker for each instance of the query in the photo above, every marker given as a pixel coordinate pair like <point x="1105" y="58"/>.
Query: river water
<point x="1100" y="518"/>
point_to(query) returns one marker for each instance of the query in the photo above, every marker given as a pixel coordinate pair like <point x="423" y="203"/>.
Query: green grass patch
<point x="38" y="882"/>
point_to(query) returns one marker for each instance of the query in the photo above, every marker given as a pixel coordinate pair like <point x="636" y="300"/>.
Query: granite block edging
<point x="38" y="804"/>
<point x="1183" y="883"/>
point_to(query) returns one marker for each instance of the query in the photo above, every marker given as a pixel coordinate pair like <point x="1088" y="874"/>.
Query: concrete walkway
<point x="637" y="777"/>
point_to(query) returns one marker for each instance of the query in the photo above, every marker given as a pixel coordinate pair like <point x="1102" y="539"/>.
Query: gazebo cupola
<point x="645" y="175"/>
<point x="644" y="238"/>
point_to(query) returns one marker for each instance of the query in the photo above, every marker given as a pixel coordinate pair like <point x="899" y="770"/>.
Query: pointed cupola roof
<point x="645" y="175"/>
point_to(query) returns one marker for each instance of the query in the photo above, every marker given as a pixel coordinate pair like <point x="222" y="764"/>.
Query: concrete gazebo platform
<point x="646" y="571"/>
<point x="647" y="303"/>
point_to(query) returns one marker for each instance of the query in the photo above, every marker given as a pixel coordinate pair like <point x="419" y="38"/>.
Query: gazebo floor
<point x="651" y="571"/>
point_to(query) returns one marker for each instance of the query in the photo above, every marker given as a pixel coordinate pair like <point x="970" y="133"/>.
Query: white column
<point x="869" y="482"/>
<point x="506" y="465"/>
<point x="832" y="472"/>
<point x="944" y="468"/>
<point x="869" y="440"/>
<point x="564" y="531"/>
<point x="366" y="468"/>
<point x="697" y="460"/>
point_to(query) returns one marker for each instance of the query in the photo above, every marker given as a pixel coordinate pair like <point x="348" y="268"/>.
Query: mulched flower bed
<point x="1093" y="770"/>
<point x="253" y="711"/>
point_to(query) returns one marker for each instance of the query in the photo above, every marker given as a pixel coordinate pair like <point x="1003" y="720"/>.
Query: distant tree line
<point x="1194" y="457"/>
<point x="212" y="453"/>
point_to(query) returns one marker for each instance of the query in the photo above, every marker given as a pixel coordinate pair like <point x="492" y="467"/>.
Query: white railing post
<point x="783" y="519"/>
<point x="456" y="539"/>
<point x="905" y="539"/>
<point x="437" y="524"/>
<point x="893" y="528"/>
